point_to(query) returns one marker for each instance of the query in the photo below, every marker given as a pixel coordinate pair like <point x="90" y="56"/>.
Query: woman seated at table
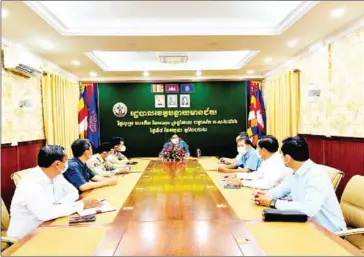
<point x="175" y="143"/>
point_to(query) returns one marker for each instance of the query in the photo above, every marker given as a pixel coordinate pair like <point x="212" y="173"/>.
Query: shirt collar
<point x="248" y="153"/>
<point x="78" y="161"/>
<point x="42" y="176"/>
<point x="303" y="169"/>
<point x="274" y="157"/>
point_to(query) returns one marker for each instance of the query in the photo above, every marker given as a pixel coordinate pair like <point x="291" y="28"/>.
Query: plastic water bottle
<point x="198" y="153"/>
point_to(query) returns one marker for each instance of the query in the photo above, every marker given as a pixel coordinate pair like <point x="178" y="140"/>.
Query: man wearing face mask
<point x="116" y="157"/>
<point x="78" y="174"/>
<point x="43" y="194"/>
<point x="100" y="166"/>
<point x="249" y="161"/>
<point x="176" y="142"/>
<point x="228" y="161"/>
<point x="270" y="173"/>
<point x="309" y="186"/>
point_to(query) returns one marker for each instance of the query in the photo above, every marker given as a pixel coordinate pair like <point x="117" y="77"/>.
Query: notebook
<point x="106" y="207"/>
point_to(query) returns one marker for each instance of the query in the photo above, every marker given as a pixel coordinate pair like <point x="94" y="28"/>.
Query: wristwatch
<point x="273" y="203"/>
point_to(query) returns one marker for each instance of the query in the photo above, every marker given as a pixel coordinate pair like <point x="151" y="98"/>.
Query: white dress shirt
<point x="270" y="173"/>
<point x="38" y="199"/>
<point x="313" y="194"/>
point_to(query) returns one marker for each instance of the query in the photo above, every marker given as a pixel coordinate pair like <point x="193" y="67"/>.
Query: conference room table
<point x="178" y="208"/>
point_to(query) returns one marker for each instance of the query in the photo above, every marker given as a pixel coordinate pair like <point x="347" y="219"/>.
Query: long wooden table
<point x="179" y="209"/>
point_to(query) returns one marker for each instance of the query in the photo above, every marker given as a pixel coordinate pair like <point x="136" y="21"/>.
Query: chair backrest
<point x="17" y="176"/>
<point x="5" y="218"/>
<point x="352" y="202"/>
<point x="334" y="174"/>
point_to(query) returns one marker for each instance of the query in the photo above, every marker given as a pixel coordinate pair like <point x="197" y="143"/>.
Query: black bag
<point x="284" y="216"/>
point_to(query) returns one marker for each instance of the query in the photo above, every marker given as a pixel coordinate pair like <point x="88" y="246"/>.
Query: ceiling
<point x="121" y="40"/>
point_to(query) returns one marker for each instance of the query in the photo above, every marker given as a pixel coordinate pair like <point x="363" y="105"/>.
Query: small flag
<point x="157" y="88"/>
<point x="187" y="88"/>
<point x="172" y="88"/>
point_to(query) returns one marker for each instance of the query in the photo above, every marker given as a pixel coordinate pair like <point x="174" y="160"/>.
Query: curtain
<point x="282" y="99"/>
<point x="60" y="110"/>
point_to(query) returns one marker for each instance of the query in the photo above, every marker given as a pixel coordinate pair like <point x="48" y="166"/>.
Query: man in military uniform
<point x="100" y="166"/>
<point x="116" y="157"/>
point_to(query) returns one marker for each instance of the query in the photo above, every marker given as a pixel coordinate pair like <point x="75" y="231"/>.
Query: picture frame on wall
<point x="172" y="101"/>
<point x="184" y="101"/>
<point x="159" y="101"/>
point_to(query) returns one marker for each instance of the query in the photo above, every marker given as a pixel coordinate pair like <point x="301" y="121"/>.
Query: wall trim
<point x="339" y="138"/>
<point x="8" y="145"/>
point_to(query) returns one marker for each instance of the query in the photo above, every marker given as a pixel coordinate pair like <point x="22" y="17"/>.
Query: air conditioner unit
<point x="173" y="58"/>
<point x="23" y="62"/>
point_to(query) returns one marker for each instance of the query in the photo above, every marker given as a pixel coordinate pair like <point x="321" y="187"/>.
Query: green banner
<point x="207" y="115"/>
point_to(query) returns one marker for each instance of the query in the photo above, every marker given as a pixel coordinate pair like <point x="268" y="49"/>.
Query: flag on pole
<point x="82" y="114"/>
<point x="93" y="132"/>
<point x="257" y="116"/>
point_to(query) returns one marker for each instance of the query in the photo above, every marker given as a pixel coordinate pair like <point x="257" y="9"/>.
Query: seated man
<point x="310" y="187"/>
<point x="249" y="158"/>
<point x="229" y="161"/>
<point x="270" y="173"/>
<point x="43" y="194"/>
<point x="78" y="174"/>
<point x="176" y="142"/>
<point x="116" y="157"/>
<point x="100" y="166"/>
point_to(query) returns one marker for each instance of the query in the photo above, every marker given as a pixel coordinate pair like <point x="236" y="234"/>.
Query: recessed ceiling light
<point x="76" y="63"/>
<point x="93" y="73"/>
<point x="146" y="74"/>
<point x="4" y="13"/>
<point x="198" y="73"/>
<point x="268" y="59"/>
<point x="250" y="71"/>
<point x="292" y="43"/>
<point x="337" y="12"/>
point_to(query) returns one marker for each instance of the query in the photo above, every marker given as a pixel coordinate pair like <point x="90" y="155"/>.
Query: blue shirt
<point x="78" y="173"/>
<point x="250" y="160"/>
<point x="313" y="194"/>
<point x="181" y="144"/>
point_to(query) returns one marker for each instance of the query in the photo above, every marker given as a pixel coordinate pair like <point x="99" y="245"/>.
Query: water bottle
<point x="198" y="153"/>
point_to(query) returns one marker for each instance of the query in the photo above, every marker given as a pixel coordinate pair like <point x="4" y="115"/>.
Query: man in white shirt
<point x="272" y="170"/>
<point x="44" y="194"/>
<point x="309" y="186"/>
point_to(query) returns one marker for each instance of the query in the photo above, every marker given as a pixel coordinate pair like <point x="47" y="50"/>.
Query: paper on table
<point x="106" y="207"/>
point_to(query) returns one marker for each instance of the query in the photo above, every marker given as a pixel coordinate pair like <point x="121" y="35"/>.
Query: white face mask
<point x="242" y="150"/>
<point x="174" y="141"/>
<point x="65" y="168"/>
<point x="123" y="148"/>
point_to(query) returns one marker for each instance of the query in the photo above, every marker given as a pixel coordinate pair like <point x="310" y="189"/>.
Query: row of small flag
<point x="172" y="88"/>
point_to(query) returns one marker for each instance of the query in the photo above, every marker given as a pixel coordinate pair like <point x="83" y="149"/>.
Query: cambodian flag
<point x="172" y="88"/>
<point x="93" y="128"/>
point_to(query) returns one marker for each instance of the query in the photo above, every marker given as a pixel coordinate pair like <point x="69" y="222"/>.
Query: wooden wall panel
<point x="9" y="164"/>
<point x="316" y="146"/>
<point x="29" y="160"/>
<point x="15" y="158"/>
<point x="345" y="154"/>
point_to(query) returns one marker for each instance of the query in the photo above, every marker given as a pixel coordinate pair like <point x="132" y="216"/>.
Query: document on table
<point x="105" y="207"/>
